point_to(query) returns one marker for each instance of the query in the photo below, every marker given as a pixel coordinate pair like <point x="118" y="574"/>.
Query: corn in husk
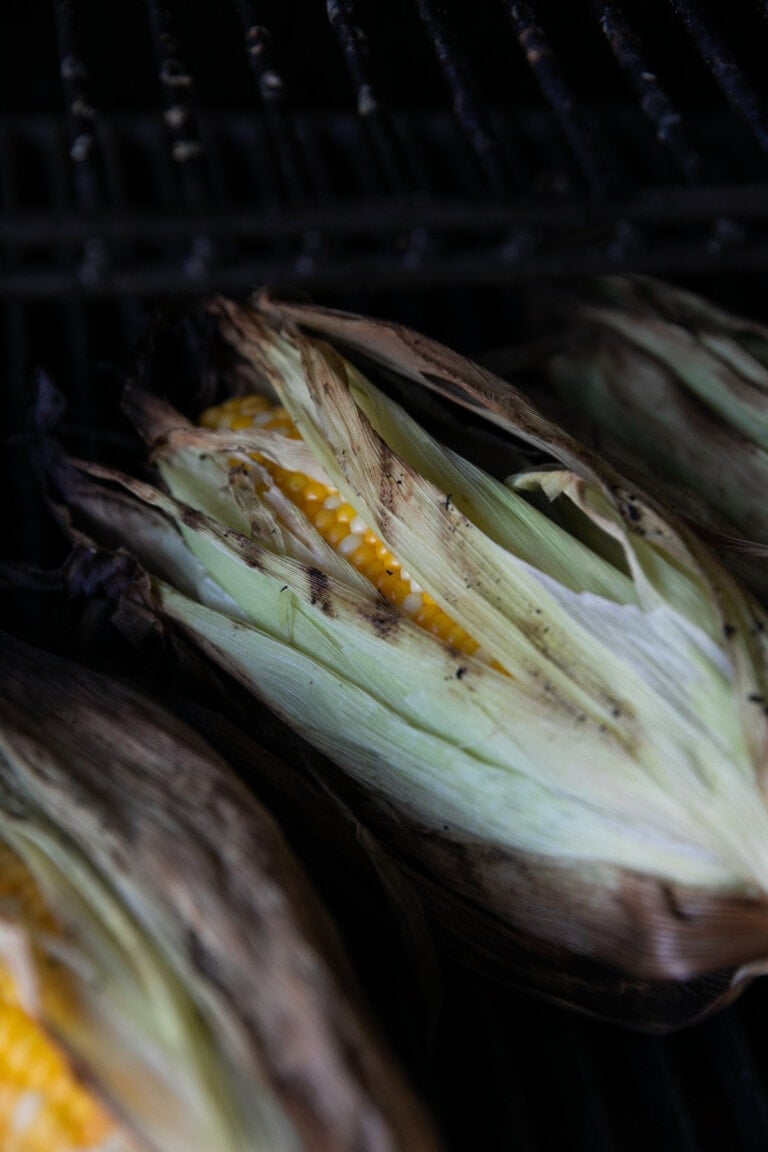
<point x="577" y="747"/>
<point x="168" y="980"/>
<point x="674" y="389"/>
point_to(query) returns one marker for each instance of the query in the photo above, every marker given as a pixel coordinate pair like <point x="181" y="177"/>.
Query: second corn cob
<point x="179" y="986"/>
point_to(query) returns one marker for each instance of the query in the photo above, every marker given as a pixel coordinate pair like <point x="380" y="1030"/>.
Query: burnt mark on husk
<point x="319" y="591"/>
<point x="384" y="620"/>
<point x="193" y="519"/>
<point x="389" y="496"/>
<point x="631" y="511"/>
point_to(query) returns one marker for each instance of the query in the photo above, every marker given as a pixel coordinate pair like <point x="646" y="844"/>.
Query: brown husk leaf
<point x="157" y="812"/>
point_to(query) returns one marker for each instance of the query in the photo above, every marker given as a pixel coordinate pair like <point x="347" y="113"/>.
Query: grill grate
<point x="572" y="147"/>
<point x="722" y="63"/>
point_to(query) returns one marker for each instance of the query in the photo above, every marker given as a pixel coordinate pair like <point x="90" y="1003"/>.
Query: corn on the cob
<point x="43" y="1106"/>
<point x="171" y="952"/>
<point x="592" y="772"/>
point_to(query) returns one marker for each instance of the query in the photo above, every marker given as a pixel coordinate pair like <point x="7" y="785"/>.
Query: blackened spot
<point x="247" y="550"/>
<point x="616" y="711"/>
<point x="284" y="588"/>
<point x="756" y="698"/>
<point x="447" y="502"/>
<point x="461" y="672"/>
<point x="729" y="630"/>
<point x="192" y="518"/>
<point x="632" y="512"/>
<point x="383" y="619"/>
<point x="318" y="591"/>
<point x="387" y="495"/>
<point x="389" y="571"/>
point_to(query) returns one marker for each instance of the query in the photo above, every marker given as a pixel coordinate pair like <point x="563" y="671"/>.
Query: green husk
<point x="594" y="774"/>
<point x="675" y="390"/>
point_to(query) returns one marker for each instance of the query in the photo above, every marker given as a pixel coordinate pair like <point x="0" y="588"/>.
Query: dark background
<point x="424" y="161"/>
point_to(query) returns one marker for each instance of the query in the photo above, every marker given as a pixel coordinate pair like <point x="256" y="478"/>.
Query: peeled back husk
<point x="593" y="775"/>
<point x="202" y="995"/>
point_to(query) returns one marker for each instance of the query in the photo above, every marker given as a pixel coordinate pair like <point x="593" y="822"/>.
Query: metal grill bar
<point x="666" y="206"/>
<point x="468" y="105"/>
<point x="394" y="163"/>
<point x="655" y="102"/>
<point x="725" y="69"/>
<point x="291" y="161"/>
<point x="90" y="198"/>
<point x="470" y="244"/>
<point x="543" y="63"/>
<point x="299" y="164"/>
<point x="186" y="152"/>
<point x="84" y="145"/>
<point x="80" y="114"/>
<point x="177" y="86"/>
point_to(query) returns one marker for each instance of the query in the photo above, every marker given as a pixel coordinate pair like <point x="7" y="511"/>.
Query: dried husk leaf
<point x="104" y="794"/>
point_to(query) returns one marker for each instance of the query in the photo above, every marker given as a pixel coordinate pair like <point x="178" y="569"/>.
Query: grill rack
<point x="520" y="173"/>
<point x="110" y="203"/>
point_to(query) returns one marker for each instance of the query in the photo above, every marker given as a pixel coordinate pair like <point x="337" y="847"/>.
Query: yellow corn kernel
<point x="338" y="522"/>
<point x="42" y="1105"/>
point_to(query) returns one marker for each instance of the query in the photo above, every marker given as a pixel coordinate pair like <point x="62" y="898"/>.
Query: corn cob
<point x="674" y="389"/>
<point x="42" y="1104"/>
<point x="177" y="986"/>
<point x="592" y="772"/>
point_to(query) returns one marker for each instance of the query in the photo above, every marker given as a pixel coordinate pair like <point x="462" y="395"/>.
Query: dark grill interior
<point x="421" y="160"/>
<point x="146" y="150"/>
